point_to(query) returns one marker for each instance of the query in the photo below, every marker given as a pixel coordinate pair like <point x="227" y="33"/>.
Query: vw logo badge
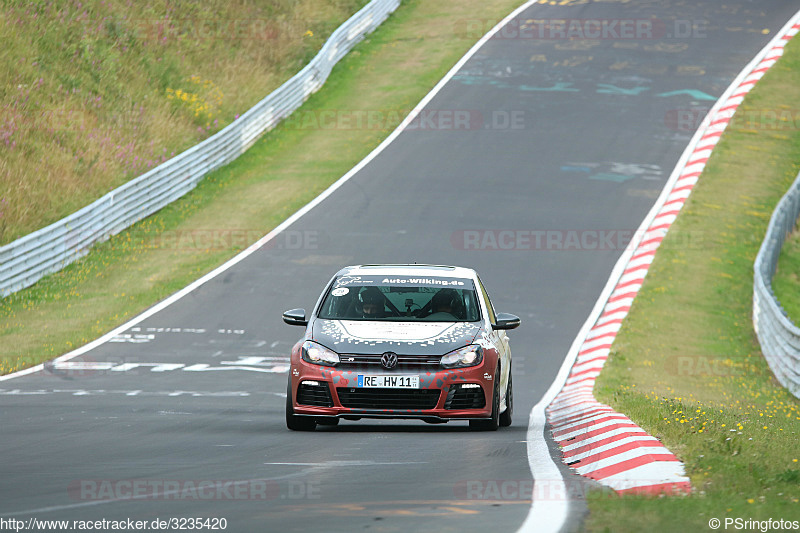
<point x="389" y="360"/>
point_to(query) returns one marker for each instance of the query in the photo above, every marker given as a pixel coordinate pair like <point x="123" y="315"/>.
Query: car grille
<point x="460" y="397"/>
<point x="404" y="362"/>
<point x="317" y="395"/>
<point x="368" y="398"/>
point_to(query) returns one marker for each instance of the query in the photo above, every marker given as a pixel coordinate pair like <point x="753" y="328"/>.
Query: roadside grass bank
<point x="389" y="72"/>
<point x="686" y="365"/>
<point x="96" y="93"/>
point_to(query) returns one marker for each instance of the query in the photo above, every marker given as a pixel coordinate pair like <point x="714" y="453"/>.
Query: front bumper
<point x="454" y="394"/>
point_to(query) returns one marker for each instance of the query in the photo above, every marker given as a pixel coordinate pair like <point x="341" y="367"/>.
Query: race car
<point x="401" y="341"/>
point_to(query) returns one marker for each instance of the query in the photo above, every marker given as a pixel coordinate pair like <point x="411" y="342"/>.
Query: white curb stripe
<point x="611" y="446"/>
<point x="607" y="435"/>
<point x="655" y="475"/>
<point x="621" y="458"/>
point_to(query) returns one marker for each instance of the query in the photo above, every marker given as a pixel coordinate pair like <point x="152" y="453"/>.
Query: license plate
<point x="390" y="382"/>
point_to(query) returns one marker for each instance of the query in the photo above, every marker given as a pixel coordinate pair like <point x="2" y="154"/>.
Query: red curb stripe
<point x="637" y="268"/>
<point x="627" y="283"/>
<point x="655" y="240"/>
<point x="582" y="372"/>
<point x="630" y="464"/>
<point x="672" y="212"/>
<point x="628" y="446"/>
<point x="582" y="380"/>
<point x="607" y="323"/>
<point x="622" y="296"/>
<point x="712" y="135"/>
<point x="594" y="349"/>
<point x="571" y="407"/>
<point x="598" y="432"/>
<point x="603" y="442"/>
<point x="666" y="225"/>
<point x="610" y="416"/>
<point x="724" y="120"/>
<point x="579" y="379"/>
<point x="607" y="314"/>
<point x="591" y="412"/>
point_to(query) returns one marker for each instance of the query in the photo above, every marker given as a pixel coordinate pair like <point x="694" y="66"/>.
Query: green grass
<point x="391" y="70"/>
<point x="786" y="282"/>
<point x="686" y="365"/>
<point x="96" y="93"/>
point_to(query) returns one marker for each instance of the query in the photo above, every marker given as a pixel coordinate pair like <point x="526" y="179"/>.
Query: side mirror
<point x="506" y="321"/>
<point x="295" y="317"/>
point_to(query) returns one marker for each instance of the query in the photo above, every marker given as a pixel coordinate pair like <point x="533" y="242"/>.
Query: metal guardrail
<point x="778" y="336"/>
<point x="50" y="249"/>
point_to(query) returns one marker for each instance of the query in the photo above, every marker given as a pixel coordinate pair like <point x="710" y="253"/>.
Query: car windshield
<point x="401" y="298"/>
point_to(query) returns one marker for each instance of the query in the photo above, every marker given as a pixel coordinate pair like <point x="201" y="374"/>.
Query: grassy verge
<point x="686" y="365"/>
<point x="786" y="282"/>
<point x="95" y="93"/>
<point x="392" y="70"/>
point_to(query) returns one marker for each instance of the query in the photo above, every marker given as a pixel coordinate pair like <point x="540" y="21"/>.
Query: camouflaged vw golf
<point x="401" y="341"/>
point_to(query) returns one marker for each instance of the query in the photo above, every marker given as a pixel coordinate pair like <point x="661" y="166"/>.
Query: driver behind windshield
<point x="372" y="303"/>
<point x="444" y="304"/>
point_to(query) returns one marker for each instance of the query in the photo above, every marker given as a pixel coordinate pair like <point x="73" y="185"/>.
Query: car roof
<point x="438" y="271"/>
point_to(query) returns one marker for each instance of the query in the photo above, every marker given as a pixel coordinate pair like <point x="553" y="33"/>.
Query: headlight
<point x="318" y="354"/>
<point x="467" y="356"/>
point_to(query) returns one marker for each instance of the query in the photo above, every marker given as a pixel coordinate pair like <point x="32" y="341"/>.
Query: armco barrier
<point x="50" y="249"/>
<point x="779" y="337"/>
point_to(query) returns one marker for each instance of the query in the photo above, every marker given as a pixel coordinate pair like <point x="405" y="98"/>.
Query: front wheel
<point x="293" y="421"/>
<point x="490" y="424"/>
<point x="505" y="416"/>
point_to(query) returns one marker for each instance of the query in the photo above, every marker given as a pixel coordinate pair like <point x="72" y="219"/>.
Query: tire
<point x="490" y="424"/>
<point x="293" y="421"/>
<point x="505" y="416"/>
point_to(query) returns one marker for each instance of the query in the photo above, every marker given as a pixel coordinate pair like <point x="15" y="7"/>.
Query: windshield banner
<point x="413" y="281"/>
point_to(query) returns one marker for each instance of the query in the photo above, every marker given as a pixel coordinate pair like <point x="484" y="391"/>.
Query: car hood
<point x="405" y="338"/>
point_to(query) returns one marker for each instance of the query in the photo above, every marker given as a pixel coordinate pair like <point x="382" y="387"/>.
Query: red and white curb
<point x="596" y="441"/>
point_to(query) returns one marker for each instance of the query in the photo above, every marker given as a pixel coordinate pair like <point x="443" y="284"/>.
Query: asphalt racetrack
<point x="533" y="165"/>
